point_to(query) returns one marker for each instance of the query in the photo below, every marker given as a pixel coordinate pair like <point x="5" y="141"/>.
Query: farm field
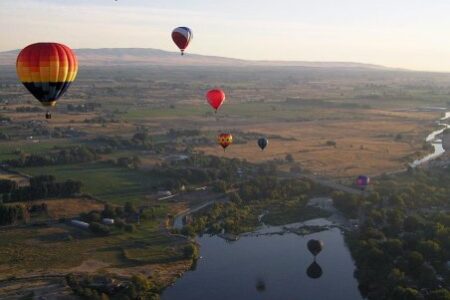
<point x="62" y="248"/>
<point x="107" y="182"/>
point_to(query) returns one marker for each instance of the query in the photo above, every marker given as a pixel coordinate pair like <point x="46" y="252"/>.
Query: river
<point x="261" y="265"/>
<point x="435" y="141"/>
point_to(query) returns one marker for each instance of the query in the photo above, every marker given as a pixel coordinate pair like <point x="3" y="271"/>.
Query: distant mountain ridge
<point x="147" y="56"/>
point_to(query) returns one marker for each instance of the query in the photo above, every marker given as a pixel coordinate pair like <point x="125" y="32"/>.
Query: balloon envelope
<point x="47" y="70"/>
<point x="215" y="98"/>
<point x="314" y="271"/>
<point x="225" y="140"/>
<point x="262" y="143"/>
<point x="315" y="246"/>
<point x="182" y="36"/>
<point x="363" y="181"/>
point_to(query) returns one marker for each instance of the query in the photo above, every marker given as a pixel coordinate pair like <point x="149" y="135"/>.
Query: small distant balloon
<point x="314" y="271"/>
<point x="182" y="36"/>
<point x="215" y="98"/>
<point x="262" y="143"/>
<point x="225" y="140"/>
<point x="315" y="246"/>
<point x="362" y="181"/>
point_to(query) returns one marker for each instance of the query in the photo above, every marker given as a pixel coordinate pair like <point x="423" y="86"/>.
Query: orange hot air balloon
<point x="225" y="140"/>
<point x="215" y="98"/>
<point x="47" y="70"/>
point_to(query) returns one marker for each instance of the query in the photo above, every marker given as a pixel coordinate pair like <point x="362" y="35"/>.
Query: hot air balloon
<point x="314" y="271"/>
<point x="262" y="143"/>
<point x="315" y="246"/>
<point x="215" y="98"/>
<point x="225" y="140"/>
<point x="47" y="70"/>
<point x="362" y="182"/>
<point x="446" y="139"/>
<point x="182" y="36"/>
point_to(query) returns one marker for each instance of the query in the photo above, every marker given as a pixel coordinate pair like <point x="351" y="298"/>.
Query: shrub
<point x="331" y="143"/>
<point x="99" y="229"/>
<point x="130" y="228"/>
<point x="190" y="251"/>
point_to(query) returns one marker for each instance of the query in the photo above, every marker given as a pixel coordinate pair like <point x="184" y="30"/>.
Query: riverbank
<point x="434" y="140"/>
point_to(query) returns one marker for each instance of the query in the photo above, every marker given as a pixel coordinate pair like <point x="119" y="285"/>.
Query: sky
<point x="412" y="34"/>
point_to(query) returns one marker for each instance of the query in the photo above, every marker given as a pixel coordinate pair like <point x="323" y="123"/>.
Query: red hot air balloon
<point x="182" y="36"/>
<point x="215" y="98"/>
<point x="47" y="70"/>
<point x="225" y="140"/>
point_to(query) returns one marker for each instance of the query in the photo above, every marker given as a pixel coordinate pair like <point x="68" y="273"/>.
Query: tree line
<point x="41" y="187"/>
<point x="72" y="155"/>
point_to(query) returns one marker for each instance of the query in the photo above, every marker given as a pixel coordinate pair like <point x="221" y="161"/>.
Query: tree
<point x="99" y="229"/>
<point x="393" y="247"/>
<point x="396" y="277"/>
<point x="430" y="250"/>
<point x="129" y="208"/>
<point x="108" y="212"/>
<point x="411" y="224"/>
<point x="7" y="186"/>
<point x="427" y="276"/>
<point x="415" y="260"/>
<point x="289" y="158"/>
<point x="440" y="294"/>
<point x="136" y="161"/>
<point x="141" y="283"/>
<point x="190" y="251"/>
<point x="235" y="198"/>
<point x="220" y="186"/>
<point x="401" y="293"/>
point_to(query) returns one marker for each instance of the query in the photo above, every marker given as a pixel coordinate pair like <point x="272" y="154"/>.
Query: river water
<point x="269" y="266"/>
<point x="435" y="141"/>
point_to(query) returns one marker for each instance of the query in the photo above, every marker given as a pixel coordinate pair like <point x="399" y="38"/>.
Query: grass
<point x="63" y="247"/>
<point x="7" y="148"/>
<point x="105" y="181"/>
<point x="64" y="208"/>
<point x="261" y="110"/>
<point x="293" y="214"/>
<point x="363" y="146"/>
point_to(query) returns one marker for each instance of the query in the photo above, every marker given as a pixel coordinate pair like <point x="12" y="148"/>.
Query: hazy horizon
<point x="404" y="34"/>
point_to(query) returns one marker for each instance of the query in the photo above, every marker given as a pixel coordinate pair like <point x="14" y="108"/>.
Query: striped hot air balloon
<point x="182" y="36"/>
<point x="225" y="140"/>
<point x="47" y="70"/>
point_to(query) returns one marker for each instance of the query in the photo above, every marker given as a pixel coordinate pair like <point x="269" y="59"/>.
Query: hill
<point x="140" y="56"/>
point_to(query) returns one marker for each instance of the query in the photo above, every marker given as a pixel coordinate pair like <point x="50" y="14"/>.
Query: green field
<point x="105" y="181"/>
<point x="8" y="148"/>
